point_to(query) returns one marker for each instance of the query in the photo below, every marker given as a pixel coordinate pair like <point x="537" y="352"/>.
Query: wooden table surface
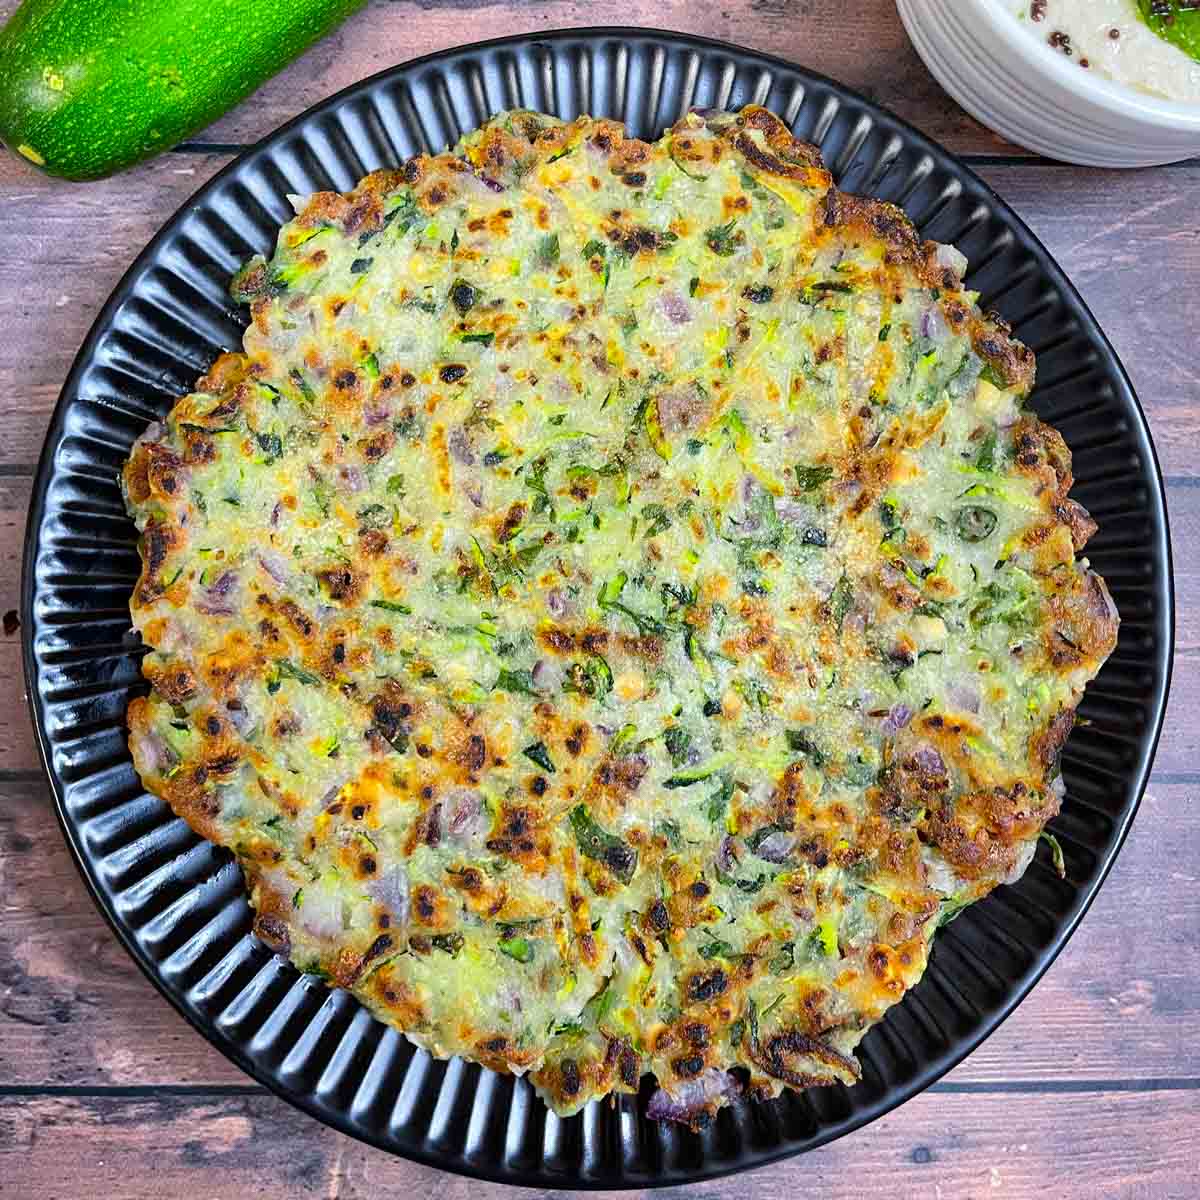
<point x="1091" y="1089"/>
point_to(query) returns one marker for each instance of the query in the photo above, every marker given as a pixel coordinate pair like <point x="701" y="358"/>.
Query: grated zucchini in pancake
<point x="615" y="607"/>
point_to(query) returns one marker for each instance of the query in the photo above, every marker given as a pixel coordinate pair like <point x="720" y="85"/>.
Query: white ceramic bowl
<point x="1006" y="76"/>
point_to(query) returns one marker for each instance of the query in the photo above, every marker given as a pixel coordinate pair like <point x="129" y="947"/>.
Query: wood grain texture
<point x="75" y="1010"/>
<point x="860" y="42"/>
<point x="1091" y="1089"/>
<point x="1000" y="1145"/>
<point x="1130" y="242"/>
<point x="63" y="248"/>
<point x="16" y="733"/>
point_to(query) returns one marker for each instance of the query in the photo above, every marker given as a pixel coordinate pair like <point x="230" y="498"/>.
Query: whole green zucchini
<point x="90" y="87"/>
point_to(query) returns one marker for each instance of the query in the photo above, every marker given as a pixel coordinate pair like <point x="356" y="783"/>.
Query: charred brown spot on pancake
<point x="158" y="541"/>
<point x="341" y="583"/>
<point x="787" y="796"/>
<point x="349" y="974"/>
<point x="642" y="947"/>
<point x="377" y="446"/>
<point x="374" y="542"/>
<point x="1048" y="744"/>
<point x="647" y="646"/>
<point x="706" y="985"/>
<point x="469" y="879"/>
<point x="163" y="470"/>
<point x="758" y="157"/>
<point x="428" y="828"/>
<point x="518" y="836"/>
<point x="1075" y="517"/>
<point x="223" y="764"/>
<point x="911" y="782"/>
<point x="803" y="1061"/>
<point x="299" y="620"/>
<point x="175" y="684"/>
<point x="365" y="213"/>
<point x="1011" y="361"/>
<point x="779" y="137"/>
<point x="593" y="641"/>
<point x="875" y="219"/>
<point x="476" y="752"/>
<point x="658" y="918"/>
<point x="425" y="903"/>
<point x="570" y="1077"/>
<point x="391" y="710"/>
<point x="636" y="240"/>
<point x="274" y="932"/>
<point x="1043" y="457"/>
<point x="980" y="833"/>
<point x="687" y="1066"/>
<point x="1082" y="623"/>
<point x="511" y="522"/>
<point x="136" y="473"/>
<point x="559" y="641"/>
<point x="627" y="1065"/>
<point x="201" y="448"/>
<point x="621" y="775"/>
<point x="285" y="725"/>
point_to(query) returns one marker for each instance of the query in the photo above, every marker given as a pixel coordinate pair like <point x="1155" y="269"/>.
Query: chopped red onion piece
<point x="214" y="600"/>
<point x="675" y="308"/>
<point x="952" y="257"/>
<point x="275" y="565"/>
<point x="796" y="512"/>
<point x="391" y="891"/>
<point x="776" y="847"/>
<point x="351" y="478"/>
<point x="933" y="325"/>
<point x="468" y="820"/>
<point x="897" y="718"/>
<point x="928" y="759"/>
<point x="726" y="858"/>
<point x="150" y="751"/>
<point x="689" y="1099"/>
<point x="681" y="408"/>
<point x="459" y="446"/>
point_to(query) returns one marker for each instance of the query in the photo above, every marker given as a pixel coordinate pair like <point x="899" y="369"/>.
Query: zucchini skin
<point x="93" y="86"/>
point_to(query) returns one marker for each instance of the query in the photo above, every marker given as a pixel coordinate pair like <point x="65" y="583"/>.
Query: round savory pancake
<point x="615" y="607"/>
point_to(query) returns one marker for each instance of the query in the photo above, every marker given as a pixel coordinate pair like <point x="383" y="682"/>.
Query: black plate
<point x="178" y="904"/>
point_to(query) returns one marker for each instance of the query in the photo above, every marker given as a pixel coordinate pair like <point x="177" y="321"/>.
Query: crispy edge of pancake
<point x="1041" y="451"/>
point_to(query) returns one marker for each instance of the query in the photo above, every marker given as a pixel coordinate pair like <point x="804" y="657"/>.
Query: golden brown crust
<point x="619" y="618"/>
<point x="1010" y="360"/>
